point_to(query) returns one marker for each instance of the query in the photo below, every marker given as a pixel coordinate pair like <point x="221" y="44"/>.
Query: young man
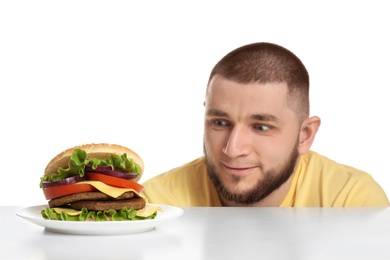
<point x="257" y="139"/>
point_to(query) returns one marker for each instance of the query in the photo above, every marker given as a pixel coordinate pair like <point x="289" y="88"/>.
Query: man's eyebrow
<point x="259" y="117"/>
<point x="216" y="112"/>
<point x="264" y="117"/>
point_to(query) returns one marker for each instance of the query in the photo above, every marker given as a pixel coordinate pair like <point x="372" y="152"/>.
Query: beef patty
<point x="135" y="203"/>
<point x="96" y="200"/>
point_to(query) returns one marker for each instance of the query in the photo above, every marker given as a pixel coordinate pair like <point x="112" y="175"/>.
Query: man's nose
<point x="238" y="142"/>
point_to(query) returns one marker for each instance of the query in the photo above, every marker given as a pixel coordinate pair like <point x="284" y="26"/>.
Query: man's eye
<point x="262" y="128"/>
<point x="220" y="123"/>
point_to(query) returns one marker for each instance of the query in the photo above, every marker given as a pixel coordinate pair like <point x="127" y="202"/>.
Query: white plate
<point x="33" y="215"/>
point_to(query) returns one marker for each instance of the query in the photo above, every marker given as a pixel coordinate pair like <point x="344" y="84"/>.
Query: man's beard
<point x="272" y="181"/>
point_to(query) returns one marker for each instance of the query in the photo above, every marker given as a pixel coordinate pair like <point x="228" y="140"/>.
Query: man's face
<point x="250" y="139"/>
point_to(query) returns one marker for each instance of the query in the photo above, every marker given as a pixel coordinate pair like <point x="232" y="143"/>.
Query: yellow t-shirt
<point x="317" y="182"/>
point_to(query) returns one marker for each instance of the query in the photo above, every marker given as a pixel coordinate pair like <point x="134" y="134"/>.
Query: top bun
<point x="100" y="151"/>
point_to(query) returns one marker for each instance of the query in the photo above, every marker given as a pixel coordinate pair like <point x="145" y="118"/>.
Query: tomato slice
<point x="115" y="181"/>
<point x="59" y="191"/>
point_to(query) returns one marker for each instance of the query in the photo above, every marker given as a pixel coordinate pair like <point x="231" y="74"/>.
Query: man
<point x="257" y="139"/>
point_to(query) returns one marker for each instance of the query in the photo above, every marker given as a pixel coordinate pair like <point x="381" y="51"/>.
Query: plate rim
<point x="100" y="227"/>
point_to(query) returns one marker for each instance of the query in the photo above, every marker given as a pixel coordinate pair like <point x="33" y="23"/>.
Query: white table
<point x="216" y="233"/>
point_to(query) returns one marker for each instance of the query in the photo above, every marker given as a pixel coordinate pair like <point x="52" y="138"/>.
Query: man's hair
<point x="268" y="63"/>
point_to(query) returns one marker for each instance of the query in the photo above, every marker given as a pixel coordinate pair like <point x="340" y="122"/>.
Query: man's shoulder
<point x="315" y="162"/>
<point x="320" y="171"/>
<point x="184" y="171"/>
<point x="186" y="185"/>
<point x="331" y="183"/>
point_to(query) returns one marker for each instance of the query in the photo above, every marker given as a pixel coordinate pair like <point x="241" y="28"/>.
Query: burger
<point x="95" y="182"/>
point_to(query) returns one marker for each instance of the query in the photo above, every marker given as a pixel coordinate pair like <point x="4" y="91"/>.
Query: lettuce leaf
<point x="124" y="214"/>
<point x="78" y="162"/>
<point x="120" y="162"/>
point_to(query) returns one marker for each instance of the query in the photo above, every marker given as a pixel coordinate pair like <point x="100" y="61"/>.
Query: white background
<point x="74" y="72"/>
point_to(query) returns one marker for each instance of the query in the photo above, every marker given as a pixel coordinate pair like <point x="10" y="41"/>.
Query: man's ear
<point x="308" y="132"/>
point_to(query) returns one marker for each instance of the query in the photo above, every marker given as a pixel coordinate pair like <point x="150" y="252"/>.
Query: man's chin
<point x="237" y="189"/>
<point x="239" y="184"/>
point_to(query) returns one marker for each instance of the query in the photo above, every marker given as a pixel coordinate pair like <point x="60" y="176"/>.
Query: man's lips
<point x="238" y="170"/>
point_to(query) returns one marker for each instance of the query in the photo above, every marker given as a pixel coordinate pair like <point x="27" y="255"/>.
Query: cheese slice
<point x="70" y="212"/>
<point x="109" y="190"/>
<point x="148" y="210"/>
